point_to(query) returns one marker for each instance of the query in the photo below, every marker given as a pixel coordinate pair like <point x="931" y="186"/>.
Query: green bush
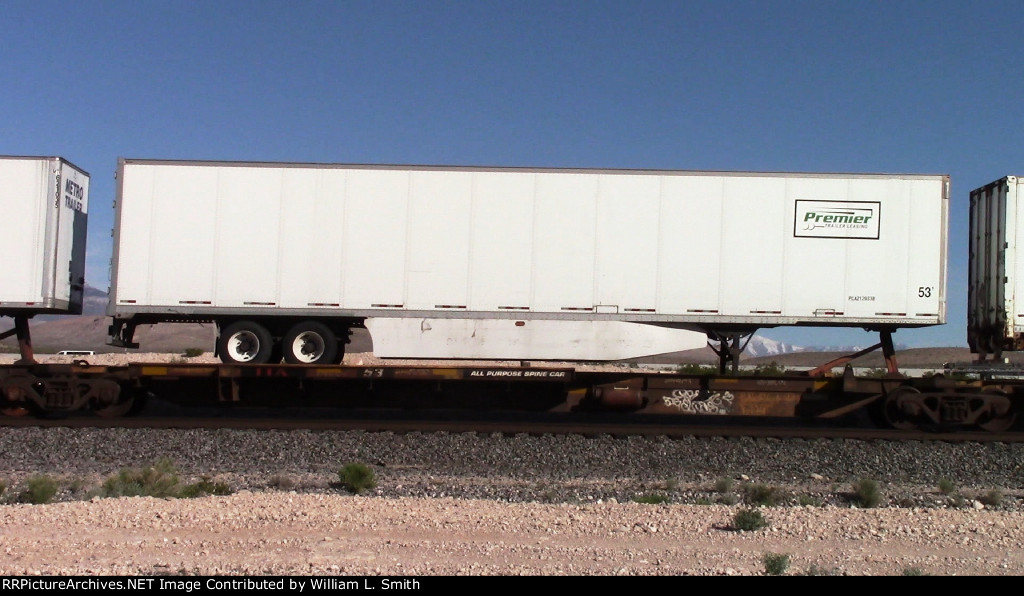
<point x="866" y="493"/>
<point x="728" y="499"/>
<point x="946" y="486"/>
<point x="697" y="369"/>
<point x="653" y="499"/>
<point x="772" y="369"/>
<point x="40" y="489"/>
<point x="992" y="498"/>
<point x="874" y="373"/>
<point x="775" y="563"/>
<point x="748" y="520"/>
<point x="760" y="494"/>
<point x="913" y="571"/>
<point x="723" y="485"/>
<point x="203" y="488"/>
<point x="357" y="478"/>
<point x="78" y="486"/>
<point x="160" y="480"/>
<point x="808" y="501"/>
<point x="193" y="352"/>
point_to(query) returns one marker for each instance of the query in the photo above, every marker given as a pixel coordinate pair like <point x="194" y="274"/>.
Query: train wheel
<point x="1003" y="415"/>
<point x="16" y="392"/>
<point x="121" y="408"/>
<point x="246" y="342"/>
<point x="891" y="414"/>
<point x="310" y="342"/>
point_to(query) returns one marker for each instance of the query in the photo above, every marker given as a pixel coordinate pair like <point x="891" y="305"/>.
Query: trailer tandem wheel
<point x="245" y="342"/>
<point x="310" y="342"/>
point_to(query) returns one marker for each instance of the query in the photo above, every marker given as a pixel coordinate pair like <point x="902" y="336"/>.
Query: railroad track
<point x="509" y="423"/>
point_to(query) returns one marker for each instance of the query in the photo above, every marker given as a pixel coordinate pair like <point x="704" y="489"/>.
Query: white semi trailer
<point x="286" y="258"/>
<point x="995" y="298"/>
<point x="45" y="202"/>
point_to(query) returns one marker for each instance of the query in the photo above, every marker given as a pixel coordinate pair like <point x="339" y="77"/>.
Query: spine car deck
<point x="895" y="401"/>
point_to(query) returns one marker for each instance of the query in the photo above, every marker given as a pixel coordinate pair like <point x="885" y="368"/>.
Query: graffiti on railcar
<point x="690" y="401"/>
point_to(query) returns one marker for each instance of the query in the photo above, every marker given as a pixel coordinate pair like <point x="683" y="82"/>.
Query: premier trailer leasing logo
<point x="837" y="219"/>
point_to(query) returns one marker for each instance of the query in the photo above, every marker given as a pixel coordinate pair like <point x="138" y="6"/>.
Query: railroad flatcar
<point x="287" y="258"/>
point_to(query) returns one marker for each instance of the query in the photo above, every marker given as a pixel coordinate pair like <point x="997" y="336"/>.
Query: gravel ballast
<point x="492" y="504"/>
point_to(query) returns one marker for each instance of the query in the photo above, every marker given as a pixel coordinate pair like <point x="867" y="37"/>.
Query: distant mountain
<point x="906" y="358"/>
<point x="762" y="346"/>
<point x="88" y="331"/>
<point x="94" y="303"/>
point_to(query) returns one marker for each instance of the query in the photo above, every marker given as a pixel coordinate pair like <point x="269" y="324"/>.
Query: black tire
<point x="122" y="408"/>
<point x="310" y="342"/>
<point x="245" y="342"/>
<point x="886" y="410"/>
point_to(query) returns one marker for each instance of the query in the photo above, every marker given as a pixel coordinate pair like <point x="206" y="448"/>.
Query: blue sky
<point x="819" y="86"/>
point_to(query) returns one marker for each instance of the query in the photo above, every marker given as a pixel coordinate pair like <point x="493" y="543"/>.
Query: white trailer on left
<point x="45" y="203"/>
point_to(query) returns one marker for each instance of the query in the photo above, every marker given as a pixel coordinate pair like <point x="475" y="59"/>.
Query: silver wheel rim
<point x="243" y="346"/>
<point x="308" y="347"/>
